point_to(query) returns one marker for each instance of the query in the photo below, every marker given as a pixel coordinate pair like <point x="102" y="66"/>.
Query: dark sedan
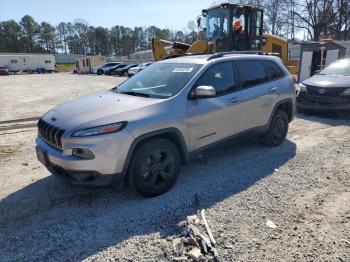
<point x="4" y="70"/>
<point x="110" y="71"/>
<point x="124" y="71"/>
<point x="327" y="90"/>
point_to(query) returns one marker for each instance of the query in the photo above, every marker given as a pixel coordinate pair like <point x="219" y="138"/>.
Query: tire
<point x="154" y="168"/>
<point x="125" y="74"/>
<point x="100" y="72"/>
<point x="278" y="129"/>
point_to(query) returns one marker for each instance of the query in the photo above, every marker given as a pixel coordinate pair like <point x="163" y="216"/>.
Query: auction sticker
<point x="182" y="70"/>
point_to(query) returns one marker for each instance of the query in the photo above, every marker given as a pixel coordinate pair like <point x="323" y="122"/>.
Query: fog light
<point x="83" y="153"/>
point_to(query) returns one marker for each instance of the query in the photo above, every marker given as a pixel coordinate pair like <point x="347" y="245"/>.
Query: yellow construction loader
<point x="229" y="27"/>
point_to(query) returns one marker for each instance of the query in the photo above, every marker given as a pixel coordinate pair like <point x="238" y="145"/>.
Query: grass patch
<point x="65" y="67"/>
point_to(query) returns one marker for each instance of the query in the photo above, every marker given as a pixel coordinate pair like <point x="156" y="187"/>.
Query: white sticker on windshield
<point x="183" y="70"/>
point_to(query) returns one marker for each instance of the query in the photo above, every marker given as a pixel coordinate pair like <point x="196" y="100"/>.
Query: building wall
<point x="85" y="64"/>
<point x="67" y="58"/>
<point x="346" y="44"/>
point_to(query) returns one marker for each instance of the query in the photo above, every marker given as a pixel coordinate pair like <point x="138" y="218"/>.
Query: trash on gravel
<point x="270" y="224"/>
<point x="276" y="170"/>
<point x="193" y="219"/>
<point x="195" y="254"/>
<point x="208" y="228"/>
<point x="196" y="242"/>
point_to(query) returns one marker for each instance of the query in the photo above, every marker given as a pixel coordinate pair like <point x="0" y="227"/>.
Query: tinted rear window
<point x="251" y="73"/>
<point x="273" y="70"/>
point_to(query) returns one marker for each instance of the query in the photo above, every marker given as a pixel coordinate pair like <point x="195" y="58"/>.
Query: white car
<point x="135" y="70"/>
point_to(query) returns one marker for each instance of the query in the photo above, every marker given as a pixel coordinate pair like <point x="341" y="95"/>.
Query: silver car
<point x="144" y="129"/>
<point x="327" y="90"/>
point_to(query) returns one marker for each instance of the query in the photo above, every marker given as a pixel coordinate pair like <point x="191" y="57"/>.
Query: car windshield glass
<point x="160" y="80"/>
<point x="337" y="68"/>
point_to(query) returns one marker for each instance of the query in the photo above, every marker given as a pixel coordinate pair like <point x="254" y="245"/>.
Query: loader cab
<point x="234" y="26"/>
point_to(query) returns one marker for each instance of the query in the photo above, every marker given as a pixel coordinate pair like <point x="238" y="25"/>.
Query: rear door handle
<point x="273" y="89"/>
<point x="233" y="100"/>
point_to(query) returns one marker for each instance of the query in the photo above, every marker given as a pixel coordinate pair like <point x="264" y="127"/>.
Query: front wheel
<point x="154" y="168"/>
<point x="99" y="72"/>
<point x="278" y="129"/>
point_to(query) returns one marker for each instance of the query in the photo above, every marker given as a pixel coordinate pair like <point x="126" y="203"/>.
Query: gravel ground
<point x="46" y="91"/>
<point x="302" y="186"/>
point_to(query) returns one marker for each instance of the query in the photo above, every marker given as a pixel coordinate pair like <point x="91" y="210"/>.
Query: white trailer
<point x="28" y="62"/>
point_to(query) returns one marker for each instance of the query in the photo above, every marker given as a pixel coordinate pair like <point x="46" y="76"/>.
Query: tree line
<point x="286" y="18"/>
<point x="79" y="37"/>
<point x="314" y="19"/>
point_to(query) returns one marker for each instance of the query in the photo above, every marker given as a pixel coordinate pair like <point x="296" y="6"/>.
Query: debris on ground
<point x="197" y="242"/>
<point x="270" y="224"/>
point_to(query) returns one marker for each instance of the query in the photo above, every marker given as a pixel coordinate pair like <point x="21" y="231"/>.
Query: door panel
<point x="332" y="55"/>
<point x="258" y="93"/>
<point x="258" y="104"/>
<point x="305" y="66"/>
<point x="212" y="119"/>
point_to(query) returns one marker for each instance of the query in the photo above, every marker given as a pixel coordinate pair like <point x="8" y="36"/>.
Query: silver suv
<point x="144" y="129"/>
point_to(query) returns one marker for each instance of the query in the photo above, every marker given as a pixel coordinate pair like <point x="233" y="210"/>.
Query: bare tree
<point x="315" y="16"/>
<point x="342" y="21"/>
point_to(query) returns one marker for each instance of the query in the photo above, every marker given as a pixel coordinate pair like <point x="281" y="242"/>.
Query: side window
<point x="83" y="62"/>
<point x="273" y="70"/>
<point x="251" y="73"/>
<point x="220" y="76"/>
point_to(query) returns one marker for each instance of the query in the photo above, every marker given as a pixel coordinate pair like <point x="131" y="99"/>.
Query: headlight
<point x="346" y="92"/>
<point x="301" y="87"/>
<point x="100" y="130"/>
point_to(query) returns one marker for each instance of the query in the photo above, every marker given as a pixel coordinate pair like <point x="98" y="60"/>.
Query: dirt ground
<point x="302" y="186"/>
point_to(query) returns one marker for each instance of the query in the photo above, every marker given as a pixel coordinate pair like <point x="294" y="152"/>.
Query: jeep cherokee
<point x="144" y="129"/>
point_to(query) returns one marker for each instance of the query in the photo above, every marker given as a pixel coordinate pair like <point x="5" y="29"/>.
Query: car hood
<point x="98" y="109"/>
<point x="328" y="81"/>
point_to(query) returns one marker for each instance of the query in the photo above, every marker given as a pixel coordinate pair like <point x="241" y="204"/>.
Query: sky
<point x="164" y="14"/>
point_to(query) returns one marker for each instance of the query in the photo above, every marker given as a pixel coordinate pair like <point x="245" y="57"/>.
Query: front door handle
<point x="273" y="89"/>
<point x="233" y="100"/>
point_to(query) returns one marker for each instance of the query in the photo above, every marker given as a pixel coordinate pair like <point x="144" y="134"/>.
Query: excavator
<point x="229" y="27"/>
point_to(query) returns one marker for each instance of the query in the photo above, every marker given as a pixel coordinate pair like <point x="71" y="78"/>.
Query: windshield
<point x="341" y="67"/>
<point x="159" y="80"/>
<point x="217" y="23"/>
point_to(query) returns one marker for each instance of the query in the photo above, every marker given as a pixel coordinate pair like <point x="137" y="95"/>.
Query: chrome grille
<point x="50" y="133"/>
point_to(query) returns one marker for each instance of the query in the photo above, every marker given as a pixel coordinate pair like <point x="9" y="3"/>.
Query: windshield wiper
<point x="133" y="93"/>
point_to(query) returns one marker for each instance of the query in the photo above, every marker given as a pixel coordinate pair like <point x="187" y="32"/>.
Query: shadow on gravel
<point x="332" y="118"/>
<point x="59" y="222"/>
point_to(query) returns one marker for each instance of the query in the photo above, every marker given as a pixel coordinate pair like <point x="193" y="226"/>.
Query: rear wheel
<point x="278" y="129"/>
<point x="154" y="167"/>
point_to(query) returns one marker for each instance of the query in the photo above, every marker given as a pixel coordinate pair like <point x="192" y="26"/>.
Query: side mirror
<point x="204" y="92"/>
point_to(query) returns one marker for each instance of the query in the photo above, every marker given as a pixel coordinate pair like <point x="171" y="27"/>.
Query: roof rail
<point x="185" y="54"/>
<point x="250" y="52"/>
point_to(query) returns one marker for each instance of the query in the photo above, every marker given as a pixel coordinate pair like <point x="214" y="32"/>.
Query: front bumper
<point x="106" y="167"/>
<point x="305" y="101"/>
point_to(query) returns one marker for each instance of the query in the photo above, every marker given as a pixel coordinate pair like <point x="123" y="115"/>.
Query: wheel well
<point x="288" y="108"/>
<point x="172" y="137"/>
